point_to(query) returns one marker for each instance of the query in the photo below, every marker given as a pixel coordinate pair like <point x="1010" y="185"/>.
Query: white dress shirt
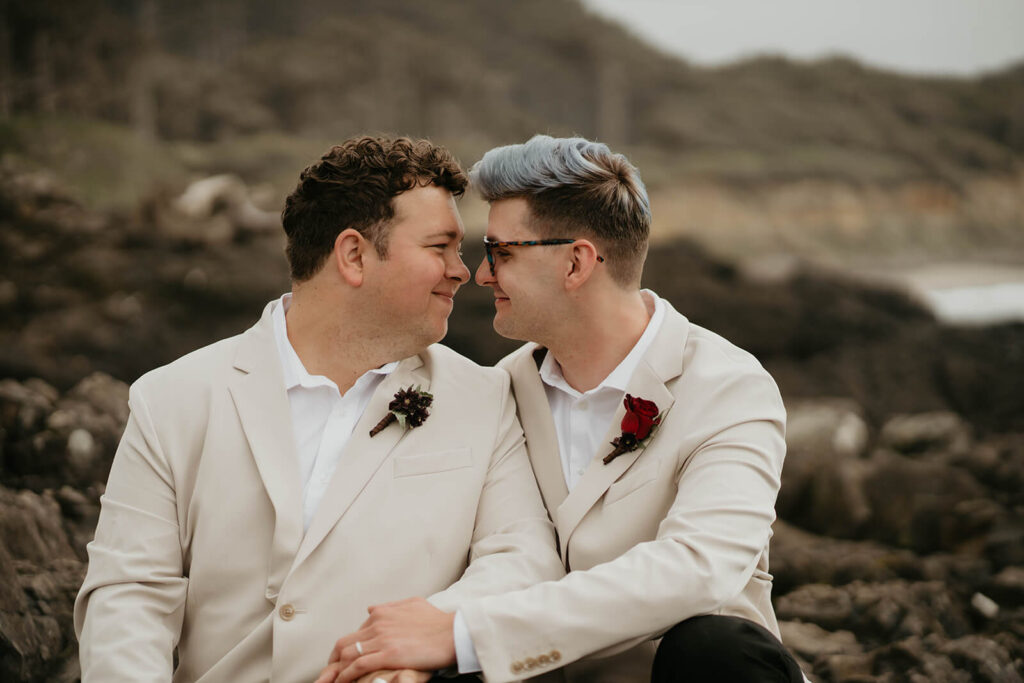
<point x="322" y="419"/>
<point x="581" y="421"/>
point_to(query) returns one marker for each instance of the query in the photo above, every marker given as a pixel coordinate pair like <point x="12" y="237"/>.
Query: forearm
<point x="704" y="554"/>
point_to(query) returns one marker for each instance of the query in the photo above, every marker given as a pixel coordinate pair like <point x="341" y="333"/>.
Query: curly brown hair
<point x="352" y="187"/>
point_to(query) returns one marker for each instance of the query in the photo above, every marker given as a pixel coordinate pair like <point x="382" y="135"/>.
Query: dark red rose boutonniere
<point x="410" y="408"/>
<point x="640" y="420"/>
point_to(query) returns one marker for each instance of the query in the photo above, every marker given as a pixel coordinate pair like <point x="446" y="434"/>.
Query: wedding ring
<point x="378" y="679"/>
<point x="359" y="649"/>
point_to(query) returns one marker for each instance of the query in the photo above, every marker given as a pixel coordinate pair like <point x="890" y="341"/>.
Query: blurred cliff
<point x="146" y="147"/>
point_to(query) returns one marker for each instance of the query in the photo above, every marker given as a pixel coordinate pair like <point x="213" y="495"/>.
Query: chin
<point x="507" y="330"/>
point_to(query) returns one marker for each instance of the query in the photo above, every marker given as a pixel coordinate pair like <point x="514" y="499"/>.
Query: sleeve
<point x="705" y="552"/>
<point x="128" y="614"/>
<point x="513" y="543"/>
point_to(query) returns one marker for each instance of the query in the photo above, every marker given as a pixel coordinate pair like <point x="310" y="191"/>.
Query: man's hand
<point x="410" y="634"/>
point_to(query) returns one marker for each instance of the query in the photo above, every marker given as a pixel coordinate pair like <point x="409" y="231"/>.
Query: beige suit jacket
<point x="200" y="542"/>
<point x="675" y="529"/>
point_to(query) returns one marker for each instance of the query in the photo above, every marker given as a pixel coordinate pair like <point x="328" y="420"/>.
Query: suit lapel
<point x="257" y="390"/>
<point x="599" y="476"/>
<point x="538" y="426"/>
<point x="662" y="363"/>
<point x="362" y="455"/>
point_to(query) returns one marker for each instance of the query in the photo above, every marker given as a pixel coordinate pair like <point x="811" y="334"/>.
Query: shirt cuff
<point x="465" y="651"/>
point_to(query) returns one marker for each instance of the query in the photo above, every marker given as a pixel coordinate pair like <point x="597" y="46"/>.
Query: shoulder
<point x="194" y="372"/>
<point x="451" y="369"/>
<point x="715" y="367"/>
<point x="524" y="354"/>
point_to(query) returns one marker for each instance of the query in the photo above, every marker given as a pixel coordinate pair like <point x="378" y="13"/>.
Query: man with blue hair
<point x="658" y="447"/>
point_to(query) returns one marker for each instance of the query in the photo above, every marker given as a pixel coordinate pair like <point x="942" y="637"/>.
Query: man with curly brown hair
<point x="272" y="486"/>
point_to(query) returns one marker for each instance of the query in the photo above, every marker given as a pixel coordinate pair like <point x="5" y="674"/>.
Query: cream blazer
<point x="200" y="543"/>
<point x="675" y="529"/>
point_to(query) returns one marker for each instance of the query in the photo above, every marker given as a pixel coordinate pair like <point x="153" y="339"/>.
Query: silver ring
<point x="359" y="648"/>
<point x="378" y="679"/>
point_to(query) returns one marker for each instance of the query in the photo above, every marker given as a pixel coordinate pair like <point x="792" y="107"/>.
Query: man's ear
<point x="581" y="266"/>
<point x="349" y="254"/>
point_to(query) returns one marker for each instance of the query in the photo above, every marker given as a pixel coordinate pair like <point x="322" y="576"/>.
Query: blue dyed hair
<point x="574" y="188"/>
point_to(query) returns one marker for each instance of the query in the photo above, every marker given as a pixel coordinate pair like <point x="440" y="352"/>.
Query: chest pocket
<point x="430" y="463"/>
<point x="633" y="479"/>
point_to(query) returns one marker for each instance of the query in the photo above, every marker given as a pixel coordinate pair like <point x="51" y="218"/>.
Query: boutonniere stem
<point x="410" y="407"/>
<point x="640" y="420"/>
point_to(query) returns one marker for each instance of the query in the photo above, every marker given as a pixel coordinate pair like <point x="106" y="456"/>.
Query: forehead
<point x="509" y="221"/>
<point x="427" y="210"/>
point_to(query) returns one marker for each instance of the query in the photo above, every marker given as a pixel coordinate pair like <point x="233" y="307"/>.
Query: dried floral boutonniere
<point x="641" y="418"/>
<point x="410" y="408"/>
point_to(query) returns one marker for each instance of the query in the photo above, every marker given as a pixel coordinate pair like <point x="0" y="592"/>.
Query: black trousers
<point x="720" y="649"/>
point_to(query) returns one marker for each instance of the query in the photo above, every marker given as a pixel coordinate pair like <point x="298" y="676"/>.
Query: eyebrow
<point x="450" y="234"/>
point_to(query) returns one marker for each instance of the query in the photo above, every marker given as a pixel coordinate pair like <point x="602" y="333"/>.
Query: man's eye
<point x="501" y="253"/>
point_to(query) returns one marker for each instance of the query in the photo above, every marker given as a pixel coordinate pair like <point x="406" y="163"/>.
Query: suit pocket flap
<point x="427" y="463"/>
<point x="630" y="482"/>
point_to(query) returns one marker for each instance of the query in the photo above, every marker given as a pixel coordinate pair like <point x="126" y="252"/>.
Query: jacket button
<point x="555" y="655"/>
<point x="544" y="659"/>
<point x="287" y="612"/>
<point x="517" y="667"/>
<point x="531" y="663"/>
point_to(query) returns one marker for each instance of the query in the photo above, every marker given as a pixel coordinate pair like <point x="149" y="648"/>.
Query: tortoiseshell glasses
<point x="490" y="246"/>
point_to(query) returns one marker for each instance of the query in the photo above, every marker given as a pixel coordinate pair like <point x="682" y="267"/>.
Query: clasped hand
<point x="410" y="635"/>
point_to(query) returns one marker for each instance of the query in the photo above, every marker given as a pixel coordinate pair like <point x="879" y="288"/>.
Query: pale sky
<point x="961" y="37"/>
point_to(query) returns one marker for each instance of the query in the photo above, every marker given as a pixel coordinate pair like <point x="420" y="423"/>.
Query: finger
<point x="328" y="674"/>
<point x="351" y="653"/>
<point x="349" y="642"/>
<point x="378" y="677"/>
<point x="360" y="667"/>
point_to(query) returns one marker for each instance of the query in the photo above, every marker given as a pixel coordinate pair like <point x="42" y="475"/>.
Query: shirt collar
<point x="295" y="373"/>
<point x="618" y="379"/>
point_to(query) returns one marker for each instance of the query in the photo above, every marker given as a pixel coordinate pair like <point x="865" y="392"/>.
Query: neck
<point x="333" y="340"/>
<point x="600" y="336"/>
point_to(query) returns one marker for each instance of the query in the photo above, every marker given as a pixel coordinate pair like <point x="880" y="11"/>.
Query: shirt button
<point x="287" y="612"/>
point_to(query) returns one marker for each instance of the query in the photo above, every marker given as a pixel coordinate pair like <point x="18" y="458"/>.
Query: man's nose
<point x="483" y="273"/>
<point x="457" y="270"/>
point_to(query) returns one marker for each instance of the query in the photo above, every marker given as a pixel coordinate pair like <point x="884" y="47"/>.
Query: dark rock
<point x="938" y="432"/>
<point x="922" y="505"/>
<point x="799" y="558"/>
<point x="39" y="578"/>
<point x="985" y="659"/>
<point x="1007" y="587"/>
<point x="24" y="406"/>
<point x="820" y="435"/>
<point x="810" y="641"/>
<point x="75" y="436"/>
<point x="878" y="612"/>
